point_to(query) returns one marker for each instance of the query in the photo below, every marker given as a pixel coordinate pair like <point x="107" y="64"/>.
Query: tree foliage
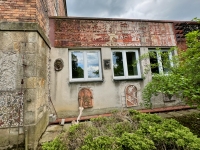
<point x="183" y="79"/>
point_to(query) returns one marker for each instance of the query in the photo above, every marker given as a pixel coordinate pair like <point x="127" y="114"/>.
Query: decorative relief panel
<point x="85" y="98"/>
<point x="8" y="71"/>
<point x="131" y="96"/>
<point x="11" y="109"/>
<point x="58" y="64"/>
<point x="92" y="33"/>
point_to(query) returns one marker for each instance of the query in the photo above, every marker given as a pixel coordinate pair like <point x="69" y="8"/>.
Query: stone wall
<point x="24" y="57"/>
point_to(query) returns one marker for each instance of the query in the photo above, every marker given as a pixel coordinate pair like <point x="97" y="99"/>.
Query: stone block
<point x="16" y="131"/>
<point x="41" y="82"/>
<point x="4" y="137"/>
<point x="32" y="37"/>
<point x="18" y="36"/>
<point x="42" y="66"/>
<point x="16" y="46"/>
<point x="29" y="117"/>
<point x="31" y="48"/>
<point x="30" y="65"/>
<point x="16" y="139"/>
<point x="37" y="130"/>
<point x="6" y="41"/>
<point x="8" y="71"/>
<point x="42" y="71"/>
<point x="29" y="106"/>
<point x="41" y="94"/>
<point x="31" y="82"/>
<point x="30" y="95"/>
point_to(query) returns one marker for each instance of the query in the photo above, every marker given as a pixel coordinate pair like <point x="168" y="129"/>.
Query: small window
<point x="161" y="61"/>
<point x="125" y="64"/>
<point x="85" y="65"/>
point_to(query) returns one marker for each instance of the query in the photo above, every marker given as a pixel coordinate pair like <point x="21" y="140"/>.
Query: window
<point x="85" y="65"/>
<point x="160" y="60"/>
<point x="125" y="64"/>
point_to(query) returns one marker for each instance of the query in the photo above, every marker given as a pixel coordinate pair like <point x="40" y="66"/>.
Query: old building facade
<point x="68" y="63"/>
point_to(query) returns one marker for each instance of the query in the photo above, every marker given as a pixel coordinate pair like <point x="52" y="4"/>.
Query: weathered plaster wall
<point x="107" y="95"/>
<point x="23" y="87"/>
<point x="103" y="34"/>
<point x="69" y="32"/>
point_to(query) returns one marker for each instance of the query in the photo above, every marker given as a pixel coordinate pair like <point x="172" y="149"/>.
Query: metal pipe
<point x="154" y="110"/>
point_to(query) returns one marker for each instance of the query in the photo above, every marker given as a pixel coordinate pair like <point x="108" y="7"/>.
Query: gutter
<point x="154" y="110"/>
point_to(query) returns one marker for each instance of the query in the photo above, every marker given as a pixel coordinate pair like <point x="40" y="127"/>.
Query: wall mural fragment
<point x="8" y="71"/>
<point x="131" y="96"/>
<point x="93" y="33"/>
<point x="85" y="98"/>
<point x="11" y="109"/>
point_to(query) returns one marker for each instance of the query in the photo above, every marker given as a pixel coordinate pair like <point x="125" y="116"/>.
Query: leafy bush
<point x="128" y="130"/>
<point x="56" y="144"/>
<point x="184" y="77"/>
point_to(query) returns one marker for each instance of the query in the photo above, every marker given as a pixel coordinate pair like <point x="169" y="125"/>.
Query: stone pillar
<point x="24" y="54"/>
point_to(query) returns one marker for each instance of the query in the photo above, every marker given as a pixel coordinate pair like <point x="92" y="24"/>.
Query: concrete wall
<point x="24" y="81"/>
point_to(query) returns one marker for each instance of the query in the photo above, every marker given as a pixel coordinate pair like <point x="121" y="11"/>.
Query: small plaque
<point x="106" y="63"/>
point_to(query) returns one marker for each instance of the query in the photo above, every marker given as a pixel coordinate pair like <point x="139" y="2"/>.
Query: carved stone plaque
<point x="131" y="96"/>
<point x="85" y="98"/>
<point x="58" y="64"/>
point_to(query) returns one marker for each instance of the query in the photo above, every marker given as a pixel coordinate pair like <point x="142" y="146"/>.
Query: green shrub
<point x="129" y="130"/>
<point x="56" y="144"/>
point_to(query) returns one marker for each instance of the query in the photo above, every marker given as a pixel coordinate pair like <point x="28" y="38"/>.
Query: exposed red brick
<point x="30" y="11"/>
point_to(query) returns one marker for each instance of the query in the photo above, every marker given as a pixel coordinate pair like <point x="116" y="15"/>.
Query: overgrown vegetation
<point x="128" y="130"/>
<point x="183" y="79"/>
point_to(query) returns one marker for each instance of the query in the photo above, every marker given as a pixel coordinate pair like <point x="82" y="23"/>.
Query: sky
<point x="135" y="9"/>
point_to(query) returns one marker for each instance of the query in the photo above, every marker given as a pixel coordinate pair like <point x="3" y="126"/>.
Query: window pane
<point x="77" y="65"/>
<point x="131" y="63"/>
<point x="154" y="62"/>
<point x="165" y="61"/>
<point x="118" y="64"/>
<point x="93" y="65"/>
